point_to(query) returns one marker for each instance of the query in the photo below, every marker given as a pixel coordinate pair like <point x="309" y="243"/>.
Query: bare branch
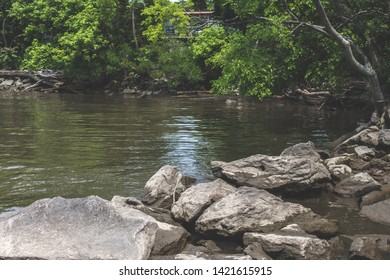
<point x="315" y="27"/>
<point x="366" y="69"/>
<point x="359" y="14"/>
<point x="346" y="44"/>
<point x="289" y="11"/>
<point x="297" y="27"/>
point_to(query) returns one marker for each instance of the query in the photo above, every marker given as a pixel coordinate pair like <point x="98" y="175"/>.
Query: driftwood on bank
<point x="315" y="97"/>
<point x="310" y="96"/>
<point x="23" y="80"/>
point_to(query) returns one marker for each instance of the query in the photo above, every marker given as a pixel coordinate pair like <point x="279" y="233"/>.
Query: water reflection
<point x="74" y="146"/>
<point x="185" y="144"/>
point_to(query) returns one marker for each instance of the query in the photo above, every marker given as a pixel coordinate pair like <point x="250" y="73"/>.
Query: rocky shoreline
<point x="24" y="84"/>
<point x="241" y="215"/>
<point x="21" y="83"/>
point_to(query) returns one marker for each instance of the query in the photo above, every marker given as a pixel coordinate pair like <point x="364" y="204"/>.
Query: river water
<point x="75" y="146"/>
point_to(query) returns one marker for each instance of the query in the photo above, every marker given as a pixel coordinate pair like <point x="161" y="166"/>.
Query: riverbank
<point x="243" y="214"/>
<point x="23" y="84"/>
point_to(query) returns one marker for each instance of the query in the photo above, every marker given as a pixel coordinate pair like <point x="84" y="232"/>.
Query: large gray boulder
<point x="165" y="187"/>
<point x="171" y="237"/>
<point x="306" y="150"/>
<point x="287" y="244"/>
<point x="367" y="137"/>
<point x="371" y="247"/>
<point x="275" y="173"/>
<point x="80" y="228"/>
<point x="196" y="199"/>
<point x="357" y="185"/>
<point x="84" y="228"/>
<point x="364" y="152"/>
<point x="253" y="210"/>
<point x="378" y="212"/>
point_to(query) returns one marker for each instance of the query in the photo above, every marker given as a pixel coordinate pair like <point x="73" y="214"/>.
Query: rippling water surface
<point x="74" y="146"/>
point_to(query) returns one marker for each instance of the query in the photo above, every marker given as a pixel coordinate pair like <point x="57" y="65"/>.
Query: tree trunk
<point x="381" y="116"/>
<point x="4" y="32"/>
<point x="134" y="28"/>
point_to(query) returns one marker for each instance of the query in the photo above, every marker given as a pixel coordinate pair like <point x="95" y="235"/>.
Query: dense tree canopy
<point x="252" y="47"/>
<point x="84" y="38"/>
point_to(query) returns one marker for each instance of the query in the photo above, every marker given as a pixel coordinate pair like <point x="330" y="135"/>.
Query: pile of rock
<point x="16" y="85"/>
<point x="21" y="81"/>
<point x="365" y="161"/>
<point x="240" y="215"/>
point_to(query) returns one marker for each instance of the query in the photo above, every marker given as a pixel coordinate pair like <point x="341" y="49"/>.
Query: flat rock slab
<point x="280" y="173"/>
<point x="378" y="212"/>
<point x="7" y="83"/>
<point x="290" y="246"/>
<point x="363" y="151"/>
<point x="357" y="185"/>
<point x="368" y="137"/>
<point x="253" y="210"/>
<point x="80" y="228"/>
<point x="196" y="199"/>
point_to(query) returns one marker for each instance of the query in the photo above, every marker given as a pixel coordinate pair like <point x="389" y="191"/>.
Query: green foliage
<point x="256" y="47"/>
<point x="244" y="69"/>
<point x="326" y="66"/>
<point x="285" y="53"/>
<point x="161" y="13"/>
<point x="256" y="62"/>
<point x="9" y="31"/>
<point x="371" y="30"/>
<point x="170" y="61"/>
<point x="208" y="43"/>
<point x="79" y="37"/>
<point x="9" y="58"/>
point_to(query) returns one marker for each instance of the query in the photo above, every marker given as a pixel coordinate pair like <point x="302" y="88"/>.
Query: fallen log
<point x="313" y="97"/>
<point x="313" y="93"/>
<point x="32" y="86"/>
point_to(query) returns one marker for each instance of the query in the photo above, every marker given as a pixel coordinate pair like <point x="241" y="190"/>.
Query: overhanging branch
<point x="300" y="24"/>
<point x="345" y="43"/>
